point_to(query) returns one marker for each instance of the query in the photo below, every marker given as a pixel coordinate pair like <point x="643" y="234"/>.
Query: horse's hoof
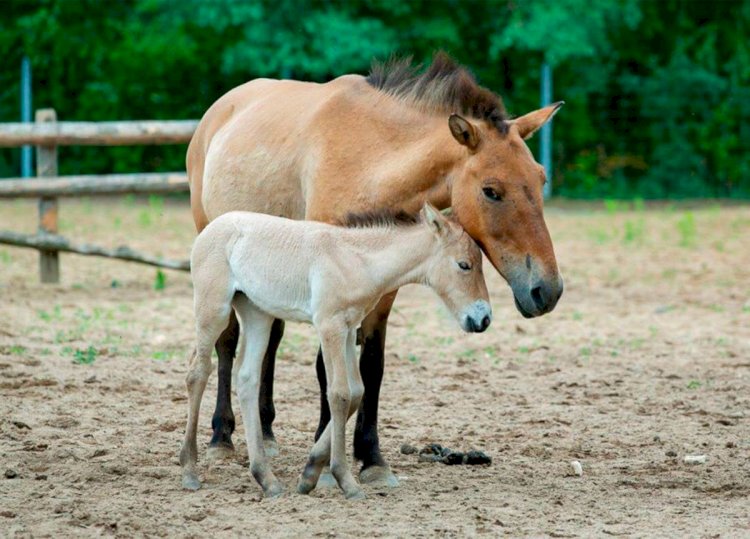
<point x="274" y="491"/>
<point x="270" y="447"/>
<point x="326" y="479"/>
<point x="190" y="481"/>
<point x="304" y="486"/>
<point x="378" y="476"/>
<point x="355" y="494"/>
<point x="218" y="453"/>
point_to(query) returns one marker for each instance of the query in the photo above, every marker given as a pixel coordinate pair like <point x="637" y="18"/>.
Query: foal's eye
<point x="465" y="266"/>
<point x="493" y="195"/>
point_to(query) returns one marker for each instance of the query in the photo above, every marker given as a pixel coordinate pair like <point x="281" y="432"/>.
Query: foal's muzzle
<point x="477" y="317"/>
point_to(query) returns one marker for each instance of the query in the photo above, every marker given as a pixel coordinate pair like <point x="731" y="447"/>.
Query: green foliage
<point x="84" y="357"/>
<point x="658" y="93"/>
<point x="686" y="228"/>
<point x="160" y="281"/>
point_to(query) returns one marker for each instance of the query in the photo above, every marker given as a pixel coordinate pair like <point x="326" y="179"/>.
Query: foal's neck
<point x="398" y="255"/>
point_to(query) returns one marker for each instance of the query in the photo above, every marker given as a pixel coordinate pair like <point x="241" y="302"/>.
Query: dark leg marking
<point x="267" y="409"/>
<point x="325" y="411"/>
<point x="371" y="365"/>
<point x="223" y="419"/>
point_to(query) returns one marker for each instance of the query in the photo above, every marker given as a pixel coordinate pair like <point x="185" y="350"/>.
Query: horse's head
<point x="455" y="272"/>
<point x="497" y="197"/>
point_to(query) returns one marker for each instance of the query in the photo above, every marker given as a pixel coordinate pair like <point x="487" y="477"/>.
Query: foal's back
<point x="272" y="260"/>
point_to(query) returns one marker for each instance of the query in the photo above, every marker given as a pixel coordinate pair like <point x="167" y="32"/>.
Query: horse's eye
<point x="490" y="193"/>
<point x="464" y="266"/>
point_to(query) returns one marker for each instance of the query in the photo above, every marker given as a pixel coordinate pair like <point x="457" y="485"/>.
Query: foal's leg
<point x="344" y="395"/>
<point x="210" y="319"/>
<point x="375" y="470"/>
<point x="256" y="332"/>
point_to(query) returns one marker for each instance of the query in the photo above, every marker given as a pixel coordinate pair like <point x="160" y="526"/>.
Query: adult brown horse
<point x="388" y="141"/>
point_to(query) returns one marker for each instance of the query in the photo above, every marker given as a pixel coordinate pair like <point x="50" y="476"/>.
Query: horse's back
<point x="255" y="143"/>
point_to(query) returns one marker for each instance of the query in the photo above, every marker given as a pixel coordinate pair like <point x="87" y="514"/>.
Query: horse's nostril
<point x="536" y="295"/>
<point x="485" y="323"/>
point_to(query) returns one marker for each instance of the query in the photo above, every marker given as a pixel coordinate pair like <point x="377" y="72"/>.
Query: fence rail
<point x="97" y="133"/>
<point x="109" y="184"/>
<point x="47" y="134"/>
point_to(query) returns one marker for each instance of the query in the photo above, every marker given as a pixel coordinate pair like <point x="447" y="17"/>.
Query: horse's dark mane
<point x="379" y="218"/>
<point x="445" y="86"/>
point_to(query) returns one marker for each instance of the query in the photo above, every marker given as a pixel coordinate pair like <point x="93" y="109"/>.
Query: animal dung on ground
<point x="438" y="453"/>
<point x="407" y="449"/>
<point x="694" y="459"/>
<point x="577" y="468"/>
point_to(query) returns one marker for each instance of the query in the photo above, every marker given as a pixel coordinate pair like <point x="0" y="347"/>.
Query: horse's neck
<point x="397" y="256"/>
<point x="424" y="159"/>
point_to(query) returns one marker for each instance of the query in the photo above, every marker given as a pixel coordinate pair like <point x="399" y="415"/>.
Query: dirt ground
<point x="645" y="360"/>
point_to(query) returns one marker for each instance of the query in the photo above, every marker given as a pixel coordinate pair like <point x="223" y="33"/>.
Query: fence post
<point x="46" y="166"/>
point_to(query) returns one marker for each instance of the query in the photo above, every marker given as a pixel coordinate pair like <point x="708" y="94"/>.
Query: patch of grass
<point x="17" y="350"/>
<point x="55" y="315"/>
<point x="412" y="358"/>
<point x="156" y="203"/>
<point x="163" y="355"/>
<point x="84" y="357"/>
<point x="5" y="257"/>
<point x="585" y="352"/>
<point x="634" y="231"/>
<point x="686" y="229"/>
<point x="694" y="384"/>
<point x="577" y="315"/>
<point x="160" y="281"/>
<point x="599" y="236"/>
<point x="144" y="218"/>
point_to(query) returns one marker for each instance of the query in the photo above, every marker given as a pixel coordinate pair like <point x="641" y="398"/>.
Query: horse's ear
<point x="434" y="219"/>
<point x="529" y="123"/>
<point x="463" y="131"/>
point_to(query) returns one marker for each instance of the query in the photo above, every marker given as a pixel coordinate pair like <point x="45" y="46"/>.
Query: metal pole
<point x="545" y="139"/>
<point x="26" y="164"/>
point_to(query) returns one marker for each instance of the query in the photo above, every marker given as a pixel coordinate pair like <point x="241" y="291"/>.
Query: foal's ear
<point x="434" y="219"/>
<point x="464" y="131"/>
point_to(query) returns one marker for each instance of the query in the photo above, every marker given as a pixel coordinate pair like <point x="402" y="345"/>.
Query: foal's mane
<point x="383" y="218"/>
<point x="444" y="87"/>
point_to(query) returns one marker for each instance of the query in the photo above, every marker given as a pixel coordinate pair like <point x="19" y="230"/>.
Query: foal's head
<point x="456" y="272"/>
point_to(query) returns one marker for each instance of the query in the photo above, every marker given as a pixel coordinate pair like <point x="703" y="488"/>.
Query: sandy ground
<point x="645" y="360"/>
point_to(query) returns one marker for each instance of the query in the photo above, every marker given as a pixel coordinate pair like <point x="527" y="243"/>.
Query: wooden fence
<point x="47" y="134"/>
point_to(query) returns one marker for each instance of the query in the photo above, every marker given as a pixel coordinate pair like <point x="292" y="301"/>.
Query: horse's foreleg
<point x="375" y="470"/>
<point x="222" y="422"/>
<point x="267" y="409"/>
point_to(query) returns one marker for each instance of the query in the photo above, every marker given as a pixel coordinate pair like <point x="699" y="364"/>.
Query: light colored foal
<point x="268" y="267"/>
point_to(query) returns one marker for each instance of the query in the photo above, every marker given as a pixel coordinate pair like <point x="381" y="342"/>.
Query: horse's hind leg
<point x="267" y="409"/>
<point x="211" y="317"/>
<point x="255" y="334"/>
<point x="375" y="471"/>
<point x="223" y="422"/>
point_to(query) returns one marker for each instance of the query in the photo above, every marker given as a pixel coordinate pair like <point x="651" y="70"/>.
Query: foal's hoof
<point x="356" y="494"/>
<point x="190" y="481"/>
<point x="270" y="447"/>
<point x="378" y="476"/>
<point x="220" y="452"/>
<point x="274" y="491"/>
<point x="304" y="486"/>
<point x="326" y="479"/>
